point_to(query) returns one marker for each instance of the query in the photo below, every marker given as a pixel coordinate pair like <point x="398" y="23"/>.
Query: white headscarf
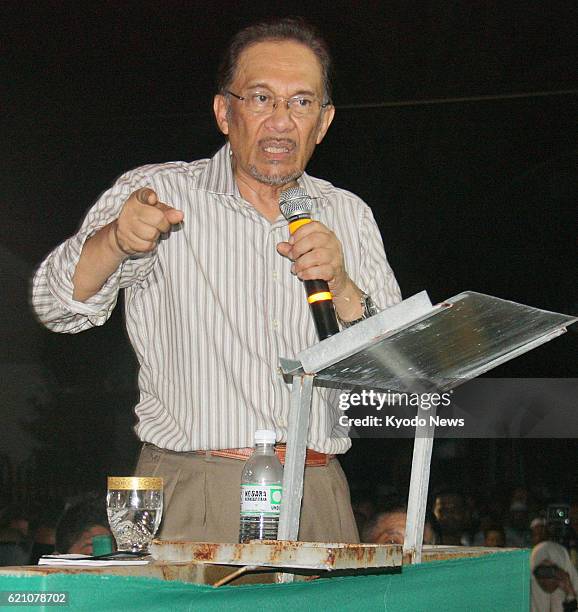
<point x="557" y="554"/>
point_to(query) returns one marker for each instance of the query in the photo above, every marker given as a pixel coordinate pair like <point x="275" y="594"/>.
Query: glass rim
<point x="139" y="483"/>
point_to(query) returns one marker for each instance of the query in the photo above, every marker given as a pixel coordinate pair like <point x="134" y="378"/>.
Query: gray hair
<point x="276" y="29"/>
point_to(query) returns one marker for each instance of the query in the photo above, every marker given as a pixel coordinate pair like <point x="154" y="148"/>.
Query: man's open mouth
<point x="277" y="147"/>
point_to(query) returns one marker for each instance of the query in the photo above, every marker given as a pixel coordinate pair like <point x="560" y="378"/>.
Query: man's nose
<point x="280" y="118"/>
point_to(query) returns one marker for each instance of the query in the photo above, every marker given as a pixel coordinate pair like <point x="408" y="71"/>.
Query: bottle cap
<point x="265" y="436"/>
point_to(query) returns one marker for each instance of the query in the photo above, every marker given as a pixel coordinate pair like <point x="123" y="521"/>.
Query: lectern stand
<point x="413" y="347"/>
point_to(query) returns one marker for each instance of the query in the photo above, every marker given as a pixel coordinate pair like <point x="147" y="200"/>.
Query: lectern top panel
<point x="454" y="341"/>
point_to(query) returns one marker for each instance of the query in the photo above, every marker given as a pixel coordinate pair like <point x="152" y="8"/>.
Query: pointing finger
<point x="172" y="215"/>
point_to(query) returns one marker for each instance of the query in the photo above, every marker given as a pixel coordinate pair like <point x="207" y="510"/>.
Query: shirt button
<point x="275" y="276"/>
<point x="275" y="324"/>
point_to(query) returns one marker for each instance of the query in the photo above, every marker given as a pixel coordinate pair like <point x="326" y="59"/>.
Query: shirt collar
<point x="219" y="178"/>
<point x="218" y="174"/>
<point x="312" y="189"/>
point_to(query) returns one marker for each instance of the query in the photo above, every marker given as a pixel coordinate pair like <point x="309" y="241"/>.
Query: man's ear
<point x="220" y="107"/>
<point x="326" y="119"/>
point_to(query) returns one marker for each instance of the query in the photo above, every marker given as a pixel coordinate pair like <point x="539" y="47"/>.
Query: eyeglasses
<point x="262" y="103"/>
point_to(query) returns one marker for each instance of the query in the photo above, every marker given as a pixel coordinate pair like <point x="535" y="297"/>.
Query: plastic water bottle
<point x="261" y="490"/>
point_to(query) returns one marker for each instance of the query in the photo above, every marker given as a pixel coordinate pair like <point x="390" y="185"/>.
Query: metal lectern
<point x="412" y="347"/>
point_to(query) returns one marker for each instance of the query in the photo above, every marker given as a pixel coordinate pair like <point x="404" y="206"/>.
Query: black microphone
<point x="296" y="207"/>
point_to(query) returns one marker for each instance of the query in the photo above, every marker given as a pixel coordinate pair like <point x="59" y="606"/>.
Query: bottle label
<point x="261" y="499"/>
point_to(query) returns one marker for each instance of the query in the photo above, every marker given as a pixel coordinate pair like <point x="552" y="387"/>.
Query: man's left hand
<point x="316" y="254"/>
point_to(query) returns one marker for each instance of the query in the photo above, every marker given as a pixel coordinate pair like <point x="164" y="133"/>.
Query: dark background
<point x="469" y="193"/>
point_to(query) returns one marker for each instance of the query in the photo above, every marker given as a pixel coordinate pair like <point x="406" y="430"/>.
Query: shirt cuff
<point x="59" y="274"/>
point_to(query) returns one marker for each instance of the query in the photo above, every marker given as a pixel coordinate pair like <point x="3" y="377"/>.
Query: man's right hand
<point x="142" y="220"/>
<point x="137" y="229"/>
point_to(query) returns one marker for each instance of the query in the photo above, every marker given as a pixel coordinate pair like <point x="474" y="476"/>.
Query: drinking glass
<point x="134" y="505"/>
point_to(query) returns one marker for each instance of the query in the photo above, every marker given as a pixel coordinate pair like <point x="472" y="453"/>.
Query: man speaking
<point x="214" y="287"/>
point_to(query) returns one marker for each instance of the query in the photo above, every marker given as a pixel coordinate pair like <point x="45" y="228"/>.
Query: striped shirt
<point x="212" y="309"/>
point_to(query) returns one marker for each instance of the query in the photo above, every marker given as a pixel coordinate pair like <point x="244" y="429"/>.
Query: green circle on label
<point x="276" y="497"/>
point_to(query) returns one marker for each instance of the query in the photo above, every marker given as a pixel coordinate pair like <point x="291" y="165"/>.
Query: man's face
<point x="391" y="529"/>
<point x="273" y="148"/>
<point x="449" y="510"/>
<point x="550" y="584"/>
<point x="494" y="538"/>
<point x="83" y="545"/>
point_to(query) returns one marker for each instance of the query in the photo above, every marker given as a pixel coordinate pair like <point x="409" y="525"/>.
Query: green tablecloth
<point x="491" y="583"/>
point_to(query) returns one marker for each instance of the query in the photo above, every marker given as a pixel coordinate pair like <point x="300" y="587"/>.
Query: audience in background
<point x="517" y="529"/>
<point x="494" y="520"/>
<point x="363" y="508"/>
<point x="43" y="532"/>
<point x="14" y="517"/>
<point x="12" y="547"/>
<point x="82" y="520"/>
<point x="485" y="523"/>
<point x="452" y="518"/>
<point x="554" y="579"/>
<point x="27" y="535"/>
<point x="13" y="534"/>
<point x="388" y="527"/>
<point x="516" y="519"/>
<point x="539" y="530"/>
<point x="494" y="537"/>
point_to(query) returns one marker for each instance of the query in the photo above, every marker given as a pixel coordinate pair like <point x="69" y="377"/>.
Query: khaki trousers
<point x="202" y="493"/>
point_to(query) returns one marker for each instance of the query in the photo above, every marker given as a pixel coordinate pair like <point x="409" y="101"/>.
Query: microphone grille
<point x="294" y="201"/>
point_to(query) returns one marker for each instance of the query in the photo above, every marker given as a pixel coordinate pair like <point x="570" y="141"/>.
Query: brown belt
<point x="312" y="458"/>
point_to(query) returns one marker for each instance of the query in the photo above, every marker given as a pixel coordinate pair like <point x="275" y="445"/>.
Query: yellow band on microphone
<point x="319" y="297"/>
<point x="295" y="225"/>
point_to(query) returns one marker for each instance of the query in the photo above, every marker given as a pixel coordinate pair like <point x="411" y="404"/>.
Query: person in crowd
<point x="538" y="530"/>
<point x="12" y="547"/>
<point x="572" y="540"/>
<point x="494" y="536"/>
<point x="486" y="522"/>
<point x="388" y="526"/>
<point x="363" y="504"/>
<point x="213" y="291"/>
<point x="520" y="494"/>
<point x="449" y="510"/>
<point x="554" y="579"/>
<point x="43" y="530"/>
<point x="14" y="517"/>
<point x="81" y="521"/>
<point x="517" y="530"/>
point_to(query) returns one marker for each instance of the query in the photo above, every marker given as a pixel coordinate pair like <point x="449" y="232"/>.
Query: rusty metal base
<point x="281" y="554"/>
